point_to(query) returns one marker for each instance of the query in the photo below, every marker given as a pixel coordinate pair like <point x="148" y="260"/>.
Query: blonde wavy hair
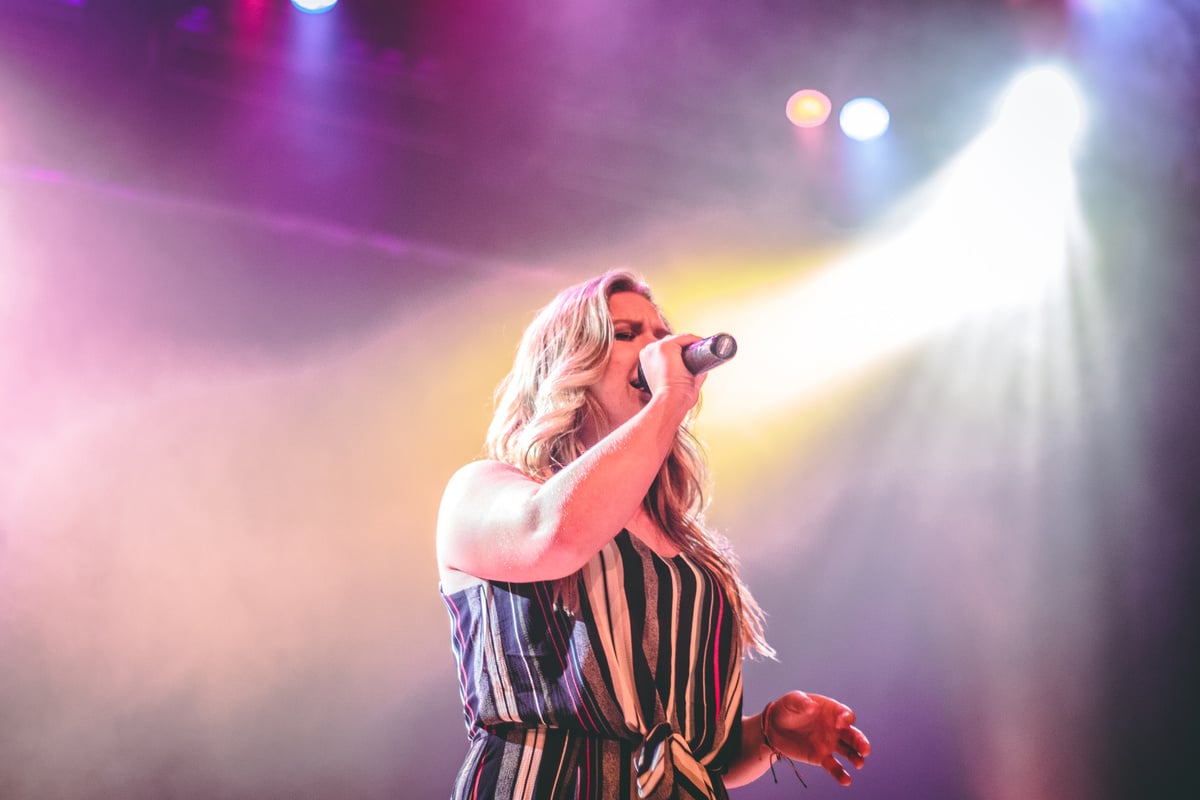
<point x="540" y="409"/>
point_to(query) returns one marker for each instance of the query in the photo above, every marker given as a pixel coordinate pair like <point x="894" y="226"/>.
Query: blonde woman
<point x="597" y="625"/>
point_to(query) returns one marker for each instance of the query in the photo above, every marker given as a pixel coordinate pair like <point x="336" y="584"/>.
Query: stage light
<point x="864" y="118"/>
<point x="993" y="237"/>
<point x="1042" y="108"/>
<point x="314" y="6"/>
<point x="808" y="108"/>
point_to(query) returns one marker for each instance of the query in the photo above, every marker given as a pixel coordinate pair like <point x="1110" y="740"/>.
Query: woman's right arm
<point x="498" y="524"/>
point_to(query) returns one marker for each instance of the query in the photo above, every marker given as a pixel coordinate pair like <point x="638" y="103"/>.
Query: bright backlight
<point x="864" y="118"/>
<point x="314" y="6"/>
<point x="1043" y="105"/>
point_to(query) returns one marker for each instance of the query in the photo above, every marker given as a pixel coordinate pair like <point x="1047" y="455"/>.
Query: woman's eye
<point x="624" y="336"/>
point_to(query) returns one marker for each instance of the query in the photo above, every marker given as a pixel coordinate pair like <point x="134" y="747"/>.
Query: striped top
<point x="637" y="693"/>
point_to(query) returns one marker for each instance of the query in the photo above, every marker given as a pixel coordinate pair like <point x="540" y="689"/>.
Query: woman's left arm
<point x="804" y="727"/>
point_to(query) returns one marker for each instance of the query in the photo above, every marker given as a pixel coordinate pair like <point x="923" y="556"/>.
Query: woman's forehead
<point x="633" y="306"/>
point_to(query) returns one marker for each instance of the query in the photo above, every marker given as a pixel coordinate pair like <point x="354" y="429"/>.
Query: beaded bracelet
<point x="776" y="754"/>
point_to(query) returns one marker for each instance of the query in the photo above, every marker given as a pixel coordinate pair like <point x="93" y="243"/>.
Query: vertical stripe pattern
<point x="635" y="693"/>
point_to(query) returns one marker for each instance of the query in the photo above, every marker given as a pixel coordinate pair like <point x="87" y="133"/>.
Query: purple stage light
<point x="314" y="6"/>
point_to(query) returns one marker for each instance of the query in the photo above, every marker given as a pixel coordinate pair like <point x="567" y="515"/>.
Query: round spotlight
<point x="864" y="118"/>
<point x="1043" y="104"/>
<point x="808" y="108"/>
<point x="314" y="6"/>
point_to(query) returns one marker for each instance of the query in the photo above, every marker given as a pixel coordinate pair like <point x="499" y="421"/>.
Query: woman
<point x="597" y="624"/>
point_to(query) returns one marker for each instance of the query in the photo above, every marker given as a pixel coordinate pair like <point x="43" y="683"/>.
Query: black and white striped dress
<point x="638" y="693"/>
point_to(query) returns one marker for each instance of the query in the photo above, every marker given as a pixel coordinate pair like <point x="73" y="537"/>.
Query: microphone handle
<point x="703" y="355"/>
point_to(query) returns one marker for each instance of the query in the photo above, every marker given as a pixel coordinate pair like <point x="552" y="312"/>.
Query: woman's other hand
<point x="817" y="730"/>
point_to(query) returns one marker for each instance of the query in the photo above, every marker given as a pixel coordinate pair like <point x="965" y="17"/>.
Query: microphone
<point x="701" y="356"/>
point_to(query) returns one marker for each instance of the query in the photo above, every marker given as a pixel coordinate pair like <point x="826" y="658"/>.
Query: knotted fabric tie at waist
<point x="662" y="760"/>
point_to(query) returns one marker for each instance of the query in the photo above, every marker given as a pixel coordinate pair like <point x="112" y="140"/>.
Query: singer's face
<point x="636" y="323"/>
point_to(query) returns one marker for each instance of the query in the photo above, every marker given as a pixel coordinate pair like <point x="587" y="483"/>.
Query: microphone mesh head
<point x="724" y="346"/>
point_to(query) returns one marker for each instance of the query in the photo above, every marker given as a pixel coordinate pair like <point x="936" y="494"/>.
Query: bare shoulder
<point x="486" y="468"/>
<point x="483" y="476"/>
<point x="487" y="520"/>
<point x="479" y="497"/>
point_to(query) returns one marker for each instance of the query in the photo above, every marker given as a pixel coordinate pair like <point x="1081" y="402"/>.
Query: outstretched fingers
<point x="835" y="768"/>
<point x="851" y="750"/>
<point x="852" y="743"/>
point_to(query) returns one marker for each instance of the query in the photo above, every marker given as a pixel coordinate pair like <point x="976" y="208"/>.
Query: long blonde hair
<point x="543" y="401"/>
